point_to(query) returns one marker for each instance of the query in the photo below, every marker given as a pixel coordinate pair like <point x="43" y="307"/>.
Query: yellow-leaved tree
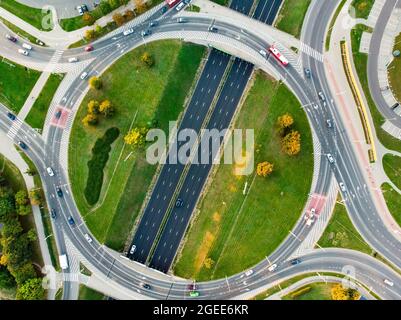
<point x="264" y="169"/>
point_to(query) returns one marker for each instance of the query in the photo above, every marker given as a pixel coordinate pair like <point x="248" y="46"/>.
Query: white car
<point x="84" y="75"/>
<point x="73" y="59"/>
<point x="263" y="53"/>
<point x="132" y="250"/>
<point x="330" y="158"/>
<point x="310" y="221"/>
<point x="388" y="282"/>
<point x="342" y="187"/>
<point x="27" y="46"/>
<point x="80" y="10"/>
<point x="23" y="52"/>
<point x="50" y="171"/>
<point x="128" y="31"/>
<point x="248" y="272"/>
<point x="88" y="238"/>
<point x="272" y="267"/>
<point x="180" y="6"/>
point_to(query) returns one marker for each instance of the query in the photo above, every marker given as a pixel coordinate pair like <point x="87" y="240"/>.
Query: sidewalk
<point x="10" y="152"/>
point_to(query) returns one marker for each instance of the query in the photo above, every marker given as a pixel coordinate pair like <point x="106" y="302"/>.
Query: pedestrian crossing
<point x="54" y="61"/>
<point x="311" y="52"/>
<point x="13" y="132"/>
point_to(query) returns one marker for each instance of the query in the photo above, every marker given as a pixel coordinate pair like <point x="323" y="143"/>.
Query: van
<point x="73" y="59"/>
<point x="83" y="75"/>
<point x="27" y="46"/>
<point x="388" y="282"/>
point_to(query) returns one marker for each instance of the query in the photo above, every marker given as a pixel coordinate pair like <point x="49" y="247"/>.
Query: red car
<point x="88" y="48"/>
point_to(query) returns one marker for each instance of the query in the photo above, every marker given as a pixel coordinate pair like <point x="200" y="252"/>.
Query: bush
<point x="100" y="156"/>
<point x="300" y="292"/>
<point x="6" y="279"/>
<point x="95" y="83"/>
<point x="31" y="290"/>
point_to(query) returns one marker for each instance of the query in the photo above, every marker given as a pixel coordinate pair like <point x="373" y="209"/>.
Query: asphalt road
<point x="370" y="271"/>
<point x="373" y="63"/>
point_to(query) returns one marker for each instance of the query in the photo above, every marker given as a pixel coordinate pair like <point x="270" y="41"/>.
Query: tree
<point x="140" y="6"/>
<point x="95" y="83"/>
<point x="338" y="292"/>
<point x="118" y="19"/>
<point x="88" y="19"/>
<point x="136" y="137"/>
<point x="147" y="59"/>
<point x="285" y="121"/>
<point x="98" y="30"/>
<point x="31" y="235"/>
<point x="31" y="172"/>
<point x="17" y="252"/>
<point x="90" y="120"/>
<point x="24" y="273"/>
<point x="6" y="279"/>
<point x="114" y="4"/>
<point x="24" y="210"/>
<point x="106" y="108"/>
<point x="93" y="107"/>
<point x="11" y="229"/>
<point x="264" y="169"/>
<point x="31" y="290"/>
<point x="209" y="262"/>
<point x="291" y="143"/>
<point x="21" y="198"/>
<point x="35" y="196"/>
<point x="104" y="7"/>
<point x="128" y="15"/>
<point x="90" y="34"/>
<point x="7" y="206"/>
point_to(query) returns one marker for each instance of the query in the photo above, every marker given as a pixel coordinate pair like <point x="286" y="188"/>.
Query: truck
<point x="63" y="261"/>
<point x="172" y="3"/>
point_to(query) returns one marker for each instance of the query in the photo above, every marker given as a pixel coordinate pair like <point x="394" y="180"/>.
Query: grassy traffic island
<point x="394" y="71"/>
<point x="109" y="178"/>
<point x="291" y="16"/>
<point x="233" y="231"/>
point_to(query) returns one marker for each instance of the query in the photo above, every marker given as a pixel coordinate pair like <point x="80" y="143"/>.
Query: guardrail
<point x="359" y="101"/>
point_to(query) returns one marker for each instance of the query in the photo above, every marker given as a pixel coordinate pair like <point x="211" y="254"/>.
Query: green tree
<point x="31" y="290"/>
<point x="104" y="7"/>
<point x="7" y="206"/>
<point x="31" y="172"/>
<point x="114" y="4"/>
<point x="31" y="235"/>
<point x="95" y="82"/>
<point x="17" y="252"/>
<point x="35" y="196"/>
<point x="24" y="273"/>
<point x="21" y="198"/>
<point x="6" y="279"/>
<point x="11" y="228"/>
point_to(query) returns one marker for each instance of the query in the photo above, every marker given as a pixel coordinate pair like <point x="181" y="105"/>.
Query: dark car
<point x="146" y="286"/>
<point x="164" y="9"/>
<point x="22" y="145"/>
<point x="71" y="221"/>
<point x="11" y="38"/>
<point x="145" y="33"/>
<point x="153" y="24"/>
<point x="84" y="8"/>
<point x="295" y="262"/>
<point x="179" y="203"/>
<point x="53" y="213"/>
<point x="192" y="286"/>
<point x="59" y="192"/>
<point x="213" y="29"/>
<point x="11" y="116"/>
<point x="308" y="73"/>
<point x="58" y="114"/>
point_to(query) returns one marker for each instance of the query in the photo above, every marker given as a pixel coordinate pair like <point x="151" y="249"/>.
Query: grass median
<point x="291" y="16"/>
<point x="392" y="167"/>
<point x="362" y="8"/>
<point x="393" y="200"/>
<point x="312" y="291"/>
<point x="139" y="94"/>
<point x="394" y="71"/>
<point x="232" y="232"/>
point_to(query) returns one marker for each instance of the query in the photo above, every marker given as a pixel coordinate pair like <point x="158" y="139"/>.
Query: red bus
<point x="172" y="3"/>
<point x="278" y="56"/>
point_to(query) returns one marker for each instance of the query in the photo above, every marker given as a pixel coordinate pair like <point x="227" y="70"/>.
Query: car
<point x="192" y="286"/>
<point x="50" y="171"/>
<point x="59" y="192"/>
<point x="23" y="52"/>
<point x="88" y="237"/>
<point x="164" y="10"/>
<point x="132" y="250"/>
<point x="153" y="24"/>
<point x="330" y="158"/>
<point x="84" y="75"/>
<point x="315" y="106"/>
<point x="310" y="220"/>
<point x="80" y="10"/>
<point x="22" y="145"/>
<point x="181" y="20"/>
<point x="39" y="42"/>
<point x="84" y="8"/>
<point x="53" y="213"/>
<point x="263" y="53"/>
<point x="248" y="272"/>
<point x="307" y="73"/>
<point x="72" y="59"/>
<point x="128" y="32"/>
<point x="213" y="29"/>
<point x="11" y="38"/>
<point x="145" y="33"/>
<point x="11" y="116"/>
<point x="322" y="96"/>
<point x="187" y="1"/>
<point x="89" y="48"/>
<point x="296" y="261"/>
<point x="272" y="267"/>
<point x="27" y="46"/>
<point x="342" y="187"/>
<point x="146" y="286"/>
<point x="328" y="123"/>
<point x="58" y="114"/>
<point x="180" y="6"/>
<point x="71" y="221"/>
<point x="388" y="282"/>
<point x="194" y="294"/>
<point x="179" y="203"/>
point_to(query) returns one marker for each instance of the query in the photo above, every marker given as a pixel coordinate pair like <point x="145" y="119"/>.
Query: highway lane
<point x="373" y="63"/>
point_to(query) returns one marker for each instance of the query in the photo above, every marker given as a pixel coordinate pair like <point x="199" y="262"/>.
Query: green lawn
<point x="361" y="62"/>
<point x="392" y="167"/>
<point x="86" y="293"/>
<point x="394" y="71"/>
<point x="221" y="2"/>
<point x="362" y="8"/>
<point x="31" y="15"/>
<point x="237" y="232"/>
<point x="393" y="200"/>
<point x="139" y="95"/>
<point x="341" y="233"/>
<point x="15" y="84"/>
<point x="291" y="16"/>
<point x="37" y="116"/>
<point x="318" y="291"/>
